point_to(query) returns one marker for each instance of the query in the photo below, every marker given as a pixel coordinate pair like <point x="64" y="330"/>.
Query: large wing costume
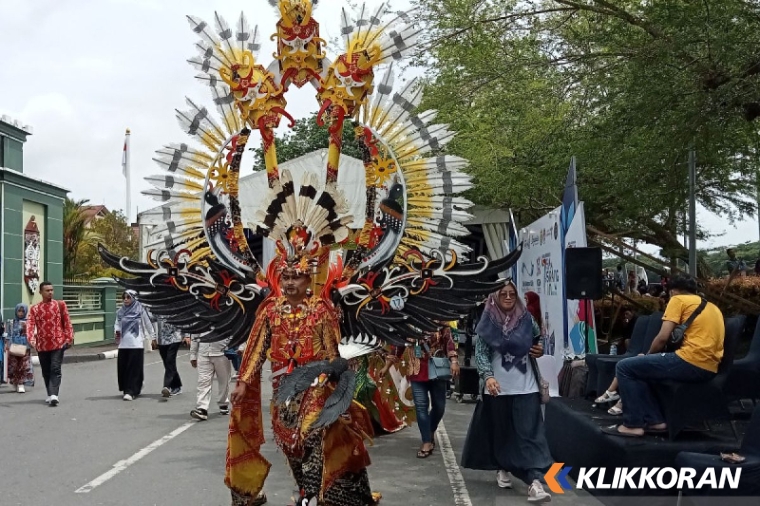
<point x="397" y="277"/>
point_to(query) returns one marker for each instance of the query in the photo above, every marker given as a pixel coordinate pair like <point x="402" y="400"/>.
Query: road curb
<point x="78" y="359"/>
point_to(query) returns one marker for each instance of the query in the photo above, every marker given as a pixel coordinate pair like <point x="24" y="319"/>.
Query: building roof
<point x="91" y="212"/>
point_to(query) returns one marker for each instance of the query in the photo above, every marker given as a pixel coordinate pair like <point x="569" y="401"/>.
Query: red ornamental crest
<point x="32" y="252"/>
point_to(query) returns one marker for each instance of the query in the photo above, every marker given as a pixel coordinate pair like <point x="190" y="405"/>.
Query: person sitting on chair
<point x="695" y="361"/>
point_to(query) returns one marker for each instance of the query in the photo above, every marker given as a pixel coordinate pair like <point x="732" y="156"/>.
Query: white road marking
<point x="458" y="486"/>
<point x="124" y="464"/>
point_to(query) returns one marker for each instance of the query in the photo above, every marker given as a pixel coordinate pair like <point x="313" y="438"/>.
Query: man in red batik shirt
<point x="50" y="332"/>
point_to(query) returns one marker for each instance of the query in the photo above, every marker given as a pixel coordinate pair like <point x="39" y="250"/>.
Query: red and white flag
<point x="125" y="156"/>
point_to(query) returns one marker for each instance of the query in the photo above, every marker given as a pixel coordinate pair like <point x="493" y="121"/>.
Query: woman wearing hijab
<point x="19" y="367"/>
<point x="506" y="433"/>
<point x="132" y="327"/>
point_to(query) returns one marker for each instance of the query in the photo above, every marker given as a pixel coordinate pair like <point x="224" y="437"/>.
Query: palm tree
<point x="76" y="236"/>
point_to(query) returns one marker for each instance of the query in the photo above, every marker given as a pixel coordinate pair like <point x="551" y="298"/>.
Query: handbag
<point x="543" y="385"/>
<point x="439" y="368"/>
<point x="18" y="350"/>
<point x="676" y="337"/>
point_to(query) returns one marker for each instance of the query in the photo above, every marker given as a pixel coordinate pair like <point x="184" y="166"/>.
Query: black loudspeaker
<point x="583" y="273"/>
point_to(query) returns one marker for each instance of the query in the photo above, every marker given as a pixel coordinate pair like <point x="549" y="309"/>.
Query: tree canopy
<point x="80" y="256"/>
<point x="305" y="137"/>
<point x="628" y="87"/>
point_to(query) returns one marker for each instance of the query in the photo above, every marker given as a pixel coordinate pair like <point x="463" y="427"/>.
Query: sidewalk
<point x="87" y="353"/>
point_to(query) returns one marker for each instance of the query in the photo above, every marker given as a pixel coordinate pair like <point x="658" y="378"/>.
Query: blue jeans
<point x="640" y="408"/>
<point x="430" y="404"/>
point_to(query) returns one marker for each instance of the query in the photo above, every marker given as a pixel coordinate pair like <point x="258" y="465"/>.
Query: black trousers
<point x="169" y="356"/>
<point x="129" y="368"/>
<point x="50" y="363"/>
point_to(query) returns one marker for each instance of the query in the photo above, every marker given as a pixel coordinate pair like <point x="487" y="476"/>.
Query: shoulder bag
<point x="17" y="350"/>
<point x="676" y="337"/>
<point x="543" y="385"/>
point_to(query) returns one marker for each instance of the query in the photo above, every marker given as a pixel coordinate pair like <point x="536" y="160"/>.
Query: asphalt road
<point x="95" y="449"/>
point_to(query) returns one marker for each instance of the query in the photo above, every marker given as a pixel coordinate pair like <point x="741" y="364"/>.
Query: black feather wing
<point x="406" y="301"/>
<point x="339" y="401"/>
<point x="198" y="297"/>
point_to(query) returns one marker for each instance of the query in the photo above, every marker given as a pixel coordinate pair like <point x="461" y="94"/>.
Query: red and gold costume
<point x="329" y="463"/>
<point x="405" y="271"/>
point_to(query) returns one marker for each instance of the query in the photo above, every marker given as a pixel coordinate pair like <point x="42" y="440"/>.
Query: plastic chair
<point x="685" y="404"/>
<point x="606" y="365"/>
<point x="744" y="379"/>
<point x="638" y="336"/>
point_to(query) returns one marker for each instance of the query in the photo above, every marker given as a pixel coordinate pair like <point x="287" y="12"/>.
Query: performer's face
<point x="294" y="285"/>
<point x="507" y="298"/>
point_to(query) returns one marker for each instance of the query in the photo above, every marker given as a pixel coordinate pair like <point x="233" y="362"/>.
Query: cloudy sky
<point x="81" y="71"/>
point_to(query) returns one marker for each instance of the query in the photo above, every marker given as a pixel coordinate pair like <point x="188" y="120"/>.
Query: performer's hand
<point x="194" y="363"/>
<point x="455" y="369"/>
<point x="537" y="350"/>
<point x="492" y="386"/>
<point x="239" y="393"/>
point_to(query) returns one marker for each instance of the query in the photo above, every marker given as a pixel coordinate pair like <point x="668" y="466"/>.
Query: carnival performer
<point x="372" y="371"/>
<point x="506" y="433"/>
<point x="328" y="463"/>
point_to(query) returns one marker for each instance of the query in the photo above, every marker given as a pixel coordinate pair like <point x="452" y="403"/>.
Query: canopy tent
<point x="253" y="188"/>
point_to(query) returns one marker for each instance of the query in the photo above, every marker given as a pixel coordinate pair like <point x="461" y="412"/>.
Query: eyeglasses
<point x="507" y="296"/>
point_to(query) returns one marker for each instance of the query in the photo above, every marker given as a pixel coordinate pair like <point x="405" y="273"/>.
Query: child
<point x="209" y="359"/>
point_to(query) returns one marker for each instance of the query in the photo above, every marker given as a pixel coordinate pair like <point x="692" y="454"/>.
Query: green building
<point x="31" y="230"/>
<point x="31" y="225"/>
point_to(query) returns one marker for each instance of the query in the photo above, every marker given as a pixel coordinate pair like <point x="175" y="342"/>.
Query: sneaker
<point x="503" y="479"/>
<point x="607" y="397"/>
<point x="259" y="500"/>
<point x="127" y="397"/>
<point x="225" y="410"/>
<point x="47" y="399"/>
<point x="175" y="391"/>
<point x="53" y="400"/>
<point x="165" y="392"/>
<point x="537" y="494"/>
<point x="20" y="389"/>
<point x="199" y="414"/>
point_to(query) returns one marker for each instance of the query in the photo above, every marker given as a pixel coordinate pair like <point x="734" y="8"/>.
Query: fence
<point x="92" y="307"/>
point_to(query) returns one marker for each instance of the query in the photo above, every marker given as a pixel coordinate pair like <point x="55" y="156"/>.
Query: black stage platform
<point x="573" y="429"/>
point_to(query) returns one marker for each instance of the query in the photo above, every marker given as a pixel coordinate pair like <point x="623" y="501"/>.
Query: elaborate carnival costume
<point x="403" y="276"/>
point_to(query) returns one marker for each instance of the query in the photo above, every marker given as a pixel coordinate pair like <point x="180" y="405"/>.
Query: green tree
<point x="627" y="86"/>
<point x="115" y="233"/>
<point x="77" y="238"/>
<point x="305" y="137"/>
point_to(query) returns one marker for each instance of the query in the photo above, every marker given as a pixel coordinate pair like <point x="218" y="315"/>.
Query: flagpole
<point x="128" y="175"/>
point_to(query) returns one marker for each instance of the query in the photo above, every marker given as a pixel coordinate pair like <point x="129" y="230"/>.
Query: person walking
<point x="168" y="341"/>
<point x="429" y="394"/>
<point x="49" y="331"/>
<point x="131" y="329"/>
<point x="19" y="371"/>
<point x="210" y="360"/>
<point x="507" y="432"/>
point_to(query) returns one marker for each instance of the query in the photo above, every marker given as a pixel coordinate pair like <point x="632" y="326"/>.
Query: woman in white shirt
<point x="506" y="433"/>
<point x="132" y="328"/>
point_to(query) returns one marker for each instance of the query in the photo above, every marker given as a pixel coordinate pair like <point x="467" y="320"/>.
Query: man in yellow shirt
<point x="695" y="361"/>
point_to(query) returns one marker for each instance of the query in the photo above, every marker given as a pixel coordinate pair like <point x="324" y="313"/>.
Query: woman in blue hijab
<point x="19" y="366"/>
<point x="506" y="433"/>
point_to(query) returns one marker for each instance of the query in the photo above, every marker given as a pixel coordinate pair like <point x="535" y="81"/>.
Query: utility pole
<point x="692" y="213"/>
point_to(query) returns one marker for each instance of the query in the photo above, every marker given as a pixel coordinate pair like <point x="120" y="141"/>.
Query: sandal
<point x="423" y="454"/>
<point x="612" y="430"/>
<point x="607" y="397"/>
<point x="615" y="410"/>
